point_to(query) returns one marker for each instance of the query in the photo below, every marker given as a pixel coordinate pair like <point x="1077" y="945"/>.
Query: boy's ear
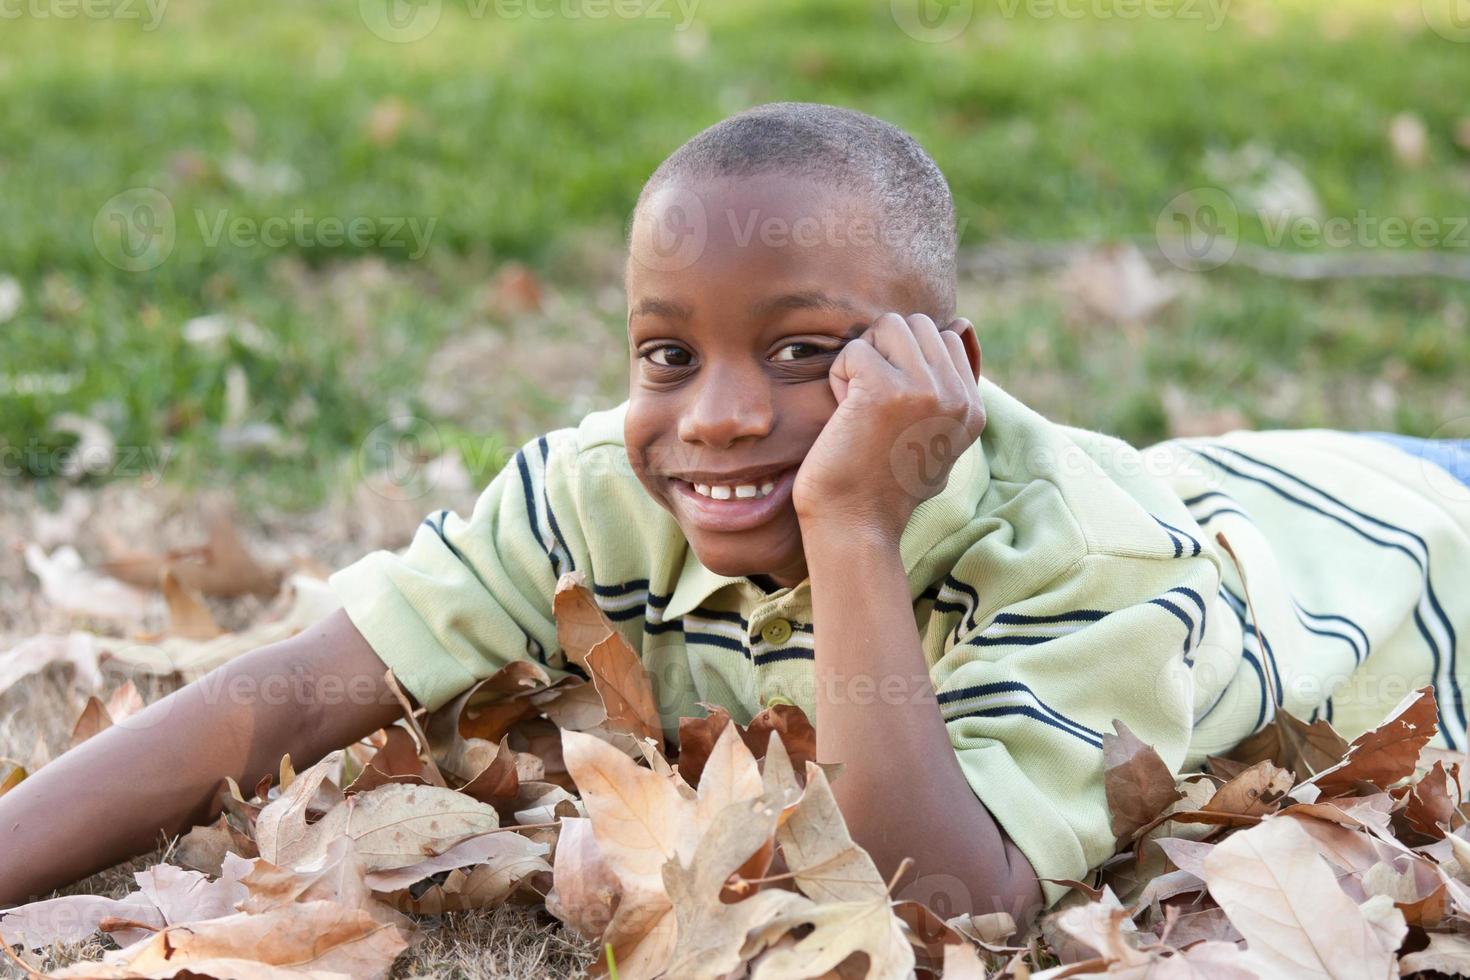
<point x="971" y="340"/>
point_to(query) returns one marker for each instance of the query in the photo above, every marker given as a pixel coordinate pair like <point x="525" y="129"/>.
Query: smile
<point x="734" y="506"/>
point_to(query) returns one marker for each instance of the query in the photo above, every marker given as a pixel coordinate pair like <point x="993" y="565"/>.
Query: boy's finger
<point x="956" y="348"/>
<point x="926" y="333"/>
<point x="892" y="337"/>
<point x="858" y="357"/>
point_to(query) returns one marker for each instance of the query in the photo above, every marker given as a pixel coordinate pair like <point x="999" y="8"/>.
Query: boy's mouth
<point x="737" y="502"/>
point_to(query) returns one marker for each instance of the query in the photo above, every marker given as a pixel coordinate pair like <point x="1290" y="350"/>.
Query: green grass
<point x="523" y="137"/>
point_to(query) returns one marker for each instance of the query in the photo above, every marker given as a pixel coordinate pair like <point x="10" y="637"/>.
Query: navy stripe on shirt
<point x="1042" y="712"/>
<point x="1415" y="557"/>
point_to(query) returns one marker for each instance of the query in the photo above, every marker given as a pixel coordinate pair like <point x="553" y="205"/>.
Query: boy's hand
<point x="907" y="407"/>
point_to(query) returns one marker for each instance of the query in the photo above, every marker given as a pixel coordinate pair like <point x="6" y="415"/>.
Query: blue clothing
<point x="1451" y="455"/>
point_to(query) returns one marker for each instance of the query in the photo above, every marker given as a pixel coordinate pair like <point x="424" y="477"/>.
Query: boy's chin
<point x="777" y="557"/>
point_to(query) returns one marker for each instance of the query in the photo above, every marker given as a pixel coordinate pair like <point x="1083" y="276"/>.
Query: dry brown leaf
<point x="11" y="774"/>
<point x="281" y="829"/>
<point x="710" y="932"/>
<point x="165" y="895"/>
<point x="626" y="689"/>
<point x="508" y="852"/>
<point x="187" y="615"/>
<point x="84" y="652"/>
<point x="93" y="719"/>
<point x="1389" y="752"/>
<point x="640" y="821"/>
<point x="1138" y="782"/>
<point x="580" y="623"/>
<point x="204" y="847"/>
<point x="1431" y="802"/>
<point x="1284" y="899"/>
<point x="838" y="931"/>
<point x="397" y="760"/>
<point x="318" y="935"/>
<point x="1255" y="792"/>
<point x="1447" y="952"/>
<point x="1289" y="742"/>
<point x="823" y="858"/>
<point x="697" y="736"/>
<point x="305" y="603"/>
<point x="68" y="585"/>
<point x="222" y="566"/>
<point x="586" y="891"/>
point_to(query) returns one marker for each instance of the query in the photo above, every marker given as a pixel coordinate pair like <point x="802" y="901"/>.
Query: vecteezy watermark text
<point x="405" y="21"/>
<point x="937" y="21"/>
<point x="150" y="12"/>
<point x="303" y="230"/>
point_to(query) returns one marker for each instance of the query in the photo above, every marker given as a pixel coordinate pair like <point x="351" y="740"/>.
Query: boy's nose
<point x="725" y="409"/>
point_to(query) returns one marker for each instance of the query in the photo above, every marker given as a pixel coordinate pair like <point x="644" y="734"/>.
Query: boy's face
<point x="740" y="294"/>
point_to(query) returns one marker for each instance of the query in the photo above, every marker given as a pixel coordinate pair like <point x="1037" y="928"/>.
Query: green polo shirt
<point x="1060" y="580"/>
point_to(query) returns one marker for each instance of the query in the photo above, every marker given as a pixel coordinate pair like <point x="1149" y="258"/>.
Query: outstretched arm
<point x="156" y="772"/>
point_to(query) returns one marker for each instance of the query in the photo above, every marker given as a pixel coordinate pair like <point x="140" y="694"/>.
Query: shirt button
<point x="776" y="632"/>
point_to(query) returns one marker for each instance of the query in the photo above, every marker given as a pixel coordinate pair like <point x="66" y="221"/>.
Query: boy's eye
<point x="797" y="351"/>
<point x="669" y="355"/>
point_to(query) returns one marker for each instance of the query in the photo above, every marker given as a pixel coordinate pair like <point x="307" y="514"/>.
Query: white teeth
<point x="743" y="491"/>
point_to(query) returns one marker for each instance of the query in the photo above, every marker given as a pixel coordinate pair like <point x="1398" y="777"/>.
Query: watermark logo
<point x="1450" y="19"/>
<point x="400" y="21"/>
<point x="135" y="230"/>
<point x="1448" y="472"/>
<point x="670" y="231"/>
<point x="1199" y="229"/>
<point x="933" y="21"/>
<point x="401" y="458"/>
<point x="928" y="454"/>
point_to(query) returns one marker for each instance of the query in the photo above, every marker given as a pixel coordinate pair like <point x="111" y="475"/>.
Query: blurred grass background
<point x="516" y="145"/>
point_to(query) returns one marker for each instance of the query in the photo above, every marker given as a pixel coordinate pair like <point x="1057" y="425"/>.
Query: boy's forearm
<point x="109" y="799"/>
<point x="902" y="790"/>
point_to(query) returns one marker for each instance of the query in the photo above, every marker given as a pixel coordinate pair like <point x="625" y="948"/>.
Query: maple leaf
<point x="711" y="933"/>
<point x="1285" y="900"/>
<point x="165" y="895"/>
<point x="827" y="864"/>
<point x="318" y="936"/>
<point x="1387" y="753"/>
<point x="585" y="890"/>
<point x="697" y="736"/>
<point x="1137" y="781"/>
<point x="838" y="931"/>
<point x="1289" y="742"/>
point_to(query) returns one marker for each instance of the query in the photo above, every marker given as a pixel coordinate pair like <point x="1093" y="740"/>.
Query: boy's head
<point x="757" y="249"/>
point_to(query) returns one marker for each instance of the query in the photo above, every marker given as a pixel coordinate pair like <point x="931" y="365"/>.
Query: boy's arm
<point x="903" y="382"/>
<point x="156" y="772"/>
<point x="902" y="790"/>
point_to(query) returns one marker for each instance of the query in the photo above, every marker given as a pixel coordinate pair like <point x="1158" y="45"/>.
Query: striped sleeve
<point x="1028" y="689"/>
<point x="467" y="596"/>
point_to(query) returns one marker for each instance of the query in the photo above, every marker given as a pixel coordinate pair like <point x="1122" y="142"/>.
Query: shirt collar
<point x="934" y="520"/>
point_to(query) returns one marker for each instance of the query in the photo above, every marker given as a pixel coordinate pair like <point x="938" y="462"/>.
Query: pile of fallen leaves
<point x="725" y="855"/>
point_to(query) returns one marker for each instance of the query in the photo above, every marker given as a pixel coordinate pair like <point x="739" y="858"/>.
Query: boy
<point x="813" y="495"/>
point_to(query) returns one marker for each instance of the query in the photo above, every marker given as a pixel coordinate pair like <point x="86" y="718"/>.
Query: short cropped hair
<point x="850" y="151"/>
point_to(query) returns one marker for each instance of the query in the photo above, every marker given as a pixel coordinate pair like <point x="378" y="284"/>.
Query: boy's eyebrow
<point x="809" y="300"/>
<point x="652" y="306"/>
